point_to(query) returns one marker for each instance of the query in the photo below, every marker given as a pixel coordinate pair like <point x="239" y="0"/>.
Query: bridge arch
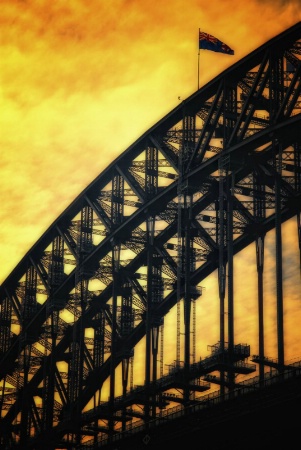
<point x="212" y="177"/>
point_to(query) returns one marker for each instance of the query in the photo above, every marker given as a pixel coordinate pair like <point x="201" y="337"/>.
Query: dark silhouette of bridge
<point x="210" y="179"/>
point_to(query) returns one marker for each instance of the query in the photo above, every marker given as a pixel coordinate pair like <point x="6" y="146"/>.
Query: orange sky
<point x="81" y="80"/>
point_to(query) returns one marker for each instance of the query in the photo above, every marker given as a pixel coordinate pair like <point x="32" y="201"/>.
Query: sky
<point x="81" y="81"/>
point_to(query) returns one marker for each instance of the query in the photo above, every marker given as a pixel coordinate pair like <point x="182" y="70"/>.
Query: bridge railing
<point x="272" y="377"/>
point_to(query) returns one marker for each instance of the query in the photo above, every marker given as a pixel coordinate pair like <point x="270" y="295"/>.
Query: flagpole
<point x="199" y="60"/>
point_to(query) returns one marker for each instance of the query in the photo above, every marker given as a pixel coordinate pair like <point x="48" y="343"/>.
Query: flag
<point x="208" y="42"/>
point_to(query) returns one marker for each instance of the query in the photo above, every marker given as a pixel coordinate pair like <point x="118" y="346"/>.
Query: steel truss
<point x="213" y="176"/>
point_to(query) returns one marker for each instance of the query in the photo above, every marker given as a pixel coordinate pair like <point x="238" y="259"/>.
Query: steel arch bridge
<point x="214" y="176"/>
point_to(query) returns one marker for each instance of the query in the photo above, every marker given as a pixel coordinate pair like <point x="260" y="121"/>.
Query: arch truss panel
<point x="214" y="175"/>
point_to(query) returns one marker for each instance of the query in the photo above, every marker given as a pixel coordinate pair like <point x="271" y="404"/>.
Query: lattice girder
<point x="82" y="297"/>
